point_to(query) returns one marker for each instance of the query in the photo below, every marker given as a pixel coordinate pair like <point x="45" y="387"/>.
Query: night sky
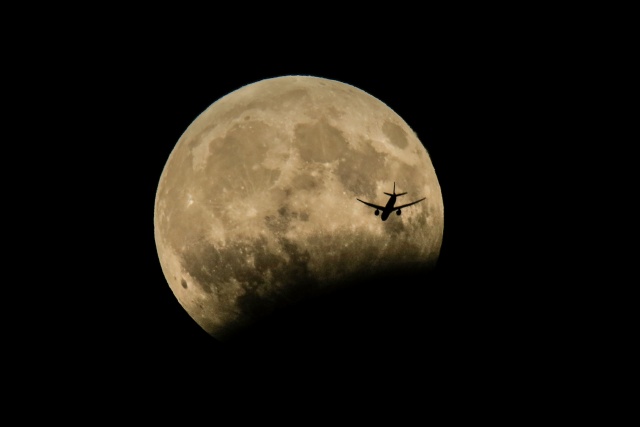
<point x="475" y="316"/>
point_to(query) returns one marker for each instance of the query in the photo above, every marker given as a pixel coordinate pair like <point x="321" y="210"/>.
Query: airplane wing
<point x="395" y="208"/>
<point x="371" y="204"/>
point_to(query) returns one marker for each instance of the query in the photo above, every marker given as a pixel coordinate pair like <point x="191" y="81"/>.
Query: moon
<point x="256" y="208"/>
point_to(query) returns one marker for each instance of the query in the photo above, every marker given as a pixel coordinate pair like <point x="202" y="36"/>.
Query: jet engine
<point x="377" y="212"/>
<point x="398" y="212"/>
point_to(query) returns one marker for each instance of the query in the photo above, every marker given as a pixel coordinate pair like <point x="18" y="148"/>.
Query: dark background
<point x="485" y="314"/>
<point x="505" y="102"/>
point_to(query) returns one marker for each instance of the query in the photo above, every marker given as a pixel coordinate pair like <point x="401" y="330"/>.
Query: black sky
<point x="474" y="317"/>
<point x="502" y="99"/>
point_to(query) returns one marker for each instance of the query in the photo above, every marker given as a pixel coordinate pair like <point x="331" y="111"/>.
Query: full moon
<point x="256" y="208"/>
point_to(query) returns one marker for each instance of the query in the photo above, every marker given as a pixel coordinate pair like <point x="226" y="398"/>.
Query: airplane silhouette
<point x="386" y="210"/>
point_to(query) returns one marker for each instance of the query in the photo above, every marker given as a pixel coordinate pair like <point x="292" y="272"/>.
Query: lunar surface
<point x="256" y="206"/>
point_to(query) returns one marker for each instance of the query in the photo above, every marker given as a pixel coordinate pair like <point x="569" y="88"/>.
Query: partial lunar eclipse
<point x="256" y="207"/>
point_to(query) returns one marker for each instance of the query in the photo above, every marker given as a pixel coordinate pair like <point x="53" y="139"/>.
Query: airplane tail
<point x="394" y="191"/>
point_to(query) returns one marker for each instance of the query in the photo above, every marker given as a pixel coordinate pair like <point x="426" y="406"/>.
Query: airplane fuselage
<point x="388" y="208"/>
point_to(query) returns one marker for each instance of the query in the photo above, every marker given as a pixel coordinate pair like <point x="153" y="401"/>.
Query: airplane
<point x="386" y="210"/>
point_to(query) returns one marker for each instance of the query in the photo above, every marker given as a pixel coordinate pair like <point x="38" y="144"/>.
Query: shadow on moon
<point x="359" y="316"/>
<point x="403" y="325"/>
